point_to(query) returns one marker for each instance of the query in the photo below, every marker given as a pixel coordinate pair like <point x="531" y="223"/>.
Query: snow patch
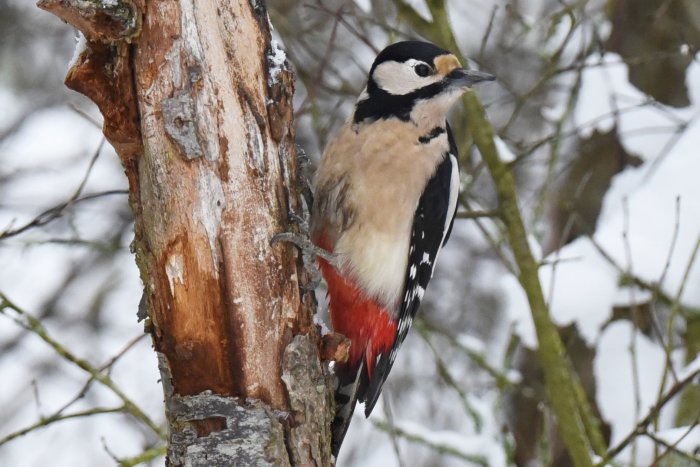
<point x="364" y="5"/>
<point x="623" y="397"/>
<point x="318" y="321"/>
<point x="580" y="286"/>
<point x="650" y="205"/>
<point x="80" y="47"/>
<point x="471" y="343"/>
<point x="276" y="58"/>
<point x="607" y="100"/>
<point x="504" y="152"/>
<point x="690" y="368"/>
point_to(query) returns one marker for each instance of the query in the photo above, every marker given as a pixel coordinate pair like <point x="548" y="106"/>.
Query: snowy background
<point x="627" y="281"/>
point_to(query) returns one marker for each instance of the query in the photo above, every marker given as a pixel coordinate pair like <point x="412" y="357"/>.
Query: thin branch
<point x="107" y="365"/>
<point x="476" y="214"/>
<point x="635" y="280"/>
<point x="440" y="448"/>
<point x="55" y="212"/>
<point x="46" y="421"/>
<point x="392" y="432"/>
<point x="640" y="428"/>
<point x="30" y="323"/>
<point x="673" y="448"/>
<point x="446" y="376"/>
<point x="502" y="380"/>
<point x="146" y="456"/>
<point x="489" y="28"/>
<point x="559" y="380"/>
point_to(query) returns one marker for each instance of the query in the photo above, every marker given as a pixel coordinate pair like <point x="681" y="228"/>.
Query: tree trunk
<point x="197" y="102"/>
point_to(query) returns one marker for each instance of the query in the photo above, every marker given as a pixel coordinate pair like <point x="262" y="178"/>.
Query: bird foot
<point x="305" y="246"/>
<point x="309" y="252"/>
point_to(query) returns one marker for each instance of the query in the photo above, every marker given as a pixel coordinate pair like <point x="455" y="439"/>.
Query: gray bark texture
<point x="197" y="101"/>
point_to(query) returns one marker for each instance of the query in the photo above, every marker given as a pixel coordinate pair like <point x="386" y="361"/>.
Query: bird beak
<point x="466" y="78"/>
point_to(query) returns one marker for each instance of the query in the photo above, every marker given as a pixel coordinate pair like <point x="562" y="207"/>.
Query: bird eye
<point x="422" y="70"/>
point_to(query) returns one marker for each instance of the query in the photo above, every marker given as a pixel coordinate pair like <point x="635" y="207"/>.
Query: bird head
<point x="414" y="80"/>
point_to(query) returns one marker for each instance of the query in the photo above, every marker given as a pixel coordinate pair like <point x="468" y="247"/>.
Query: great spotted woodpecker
<point x="384" y="203"/>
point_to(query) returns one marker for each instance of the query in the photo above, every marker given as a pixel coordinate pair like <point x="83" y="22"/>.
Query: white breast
<point x="386" y="176"/>
<point x="377" y="260"/>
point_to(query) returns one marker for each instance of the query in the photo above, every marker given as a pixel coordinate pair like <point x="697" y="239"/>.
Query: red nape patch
<point x="358" y="317"/>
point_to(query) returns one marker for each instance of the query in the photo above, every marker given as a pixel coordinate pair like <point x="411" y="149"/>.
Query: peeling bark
<point x="198" y="104"/>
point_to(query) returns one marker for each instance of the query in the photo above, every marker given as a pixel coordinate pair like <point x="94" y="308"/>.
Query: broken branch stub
<point x="102" y="70"/>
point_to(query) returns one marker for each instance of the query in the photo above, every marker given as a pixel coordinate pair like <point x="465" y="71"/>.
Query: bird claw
<point x="305" y="245"/>
<point x="309" y="252"/>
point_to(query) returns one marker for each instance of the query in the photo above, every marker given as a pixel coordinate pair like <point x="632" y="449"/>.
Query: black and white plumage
<point x="385" y="199"/>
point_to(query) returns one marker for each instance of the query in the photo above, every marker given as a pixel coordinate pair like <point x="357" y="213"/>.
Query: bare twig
<point x="673" y="448"/>
<point x="441" y="448"/>
<point x="46" y="421"/>
<point x="30" y="323"/>
<point x="146" y="456"/>
<point x="55" y="212"/>
<point x="640" y="428"/>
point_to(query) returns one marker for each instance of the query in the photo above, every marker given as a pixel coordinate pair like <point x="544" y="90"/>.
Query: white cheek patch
<point x="400" y="79"/>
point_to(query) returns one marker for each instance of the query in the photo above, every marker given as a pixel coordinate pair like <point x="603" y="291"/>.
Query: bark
<point x="197" y="103"/>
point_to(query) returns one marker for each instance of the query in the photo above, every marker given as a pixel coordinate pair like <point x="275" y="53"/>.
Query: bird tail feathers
<point x="352" y="385"/>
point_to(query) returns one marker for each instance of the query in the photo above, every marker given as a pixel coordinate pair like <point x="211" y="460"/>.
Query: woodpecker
<point x="385" y="196"/>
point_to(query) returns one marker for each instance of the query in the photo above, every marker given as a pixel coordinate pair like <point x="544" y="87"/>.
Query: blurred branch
<point x="493" y="241"/>
<point x="673" y="448"/>
<point x="636" y="280"/>
<point x="55" y="212"/>
<point x="446" y="376"/>
<point x="146" y="456"/>
<point x="575" y="419"/>
<point x="489" y="28"/>
<point x="339" y="16"/>
<point x="441" y="448"/>
<point x="476" y="214"/>
<point x="641" y="427"/>
<point x="46" y="421"/>
<point x="107" y="366"/>
<point x="503" y="381"/>
<point x="27" y="321"/>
